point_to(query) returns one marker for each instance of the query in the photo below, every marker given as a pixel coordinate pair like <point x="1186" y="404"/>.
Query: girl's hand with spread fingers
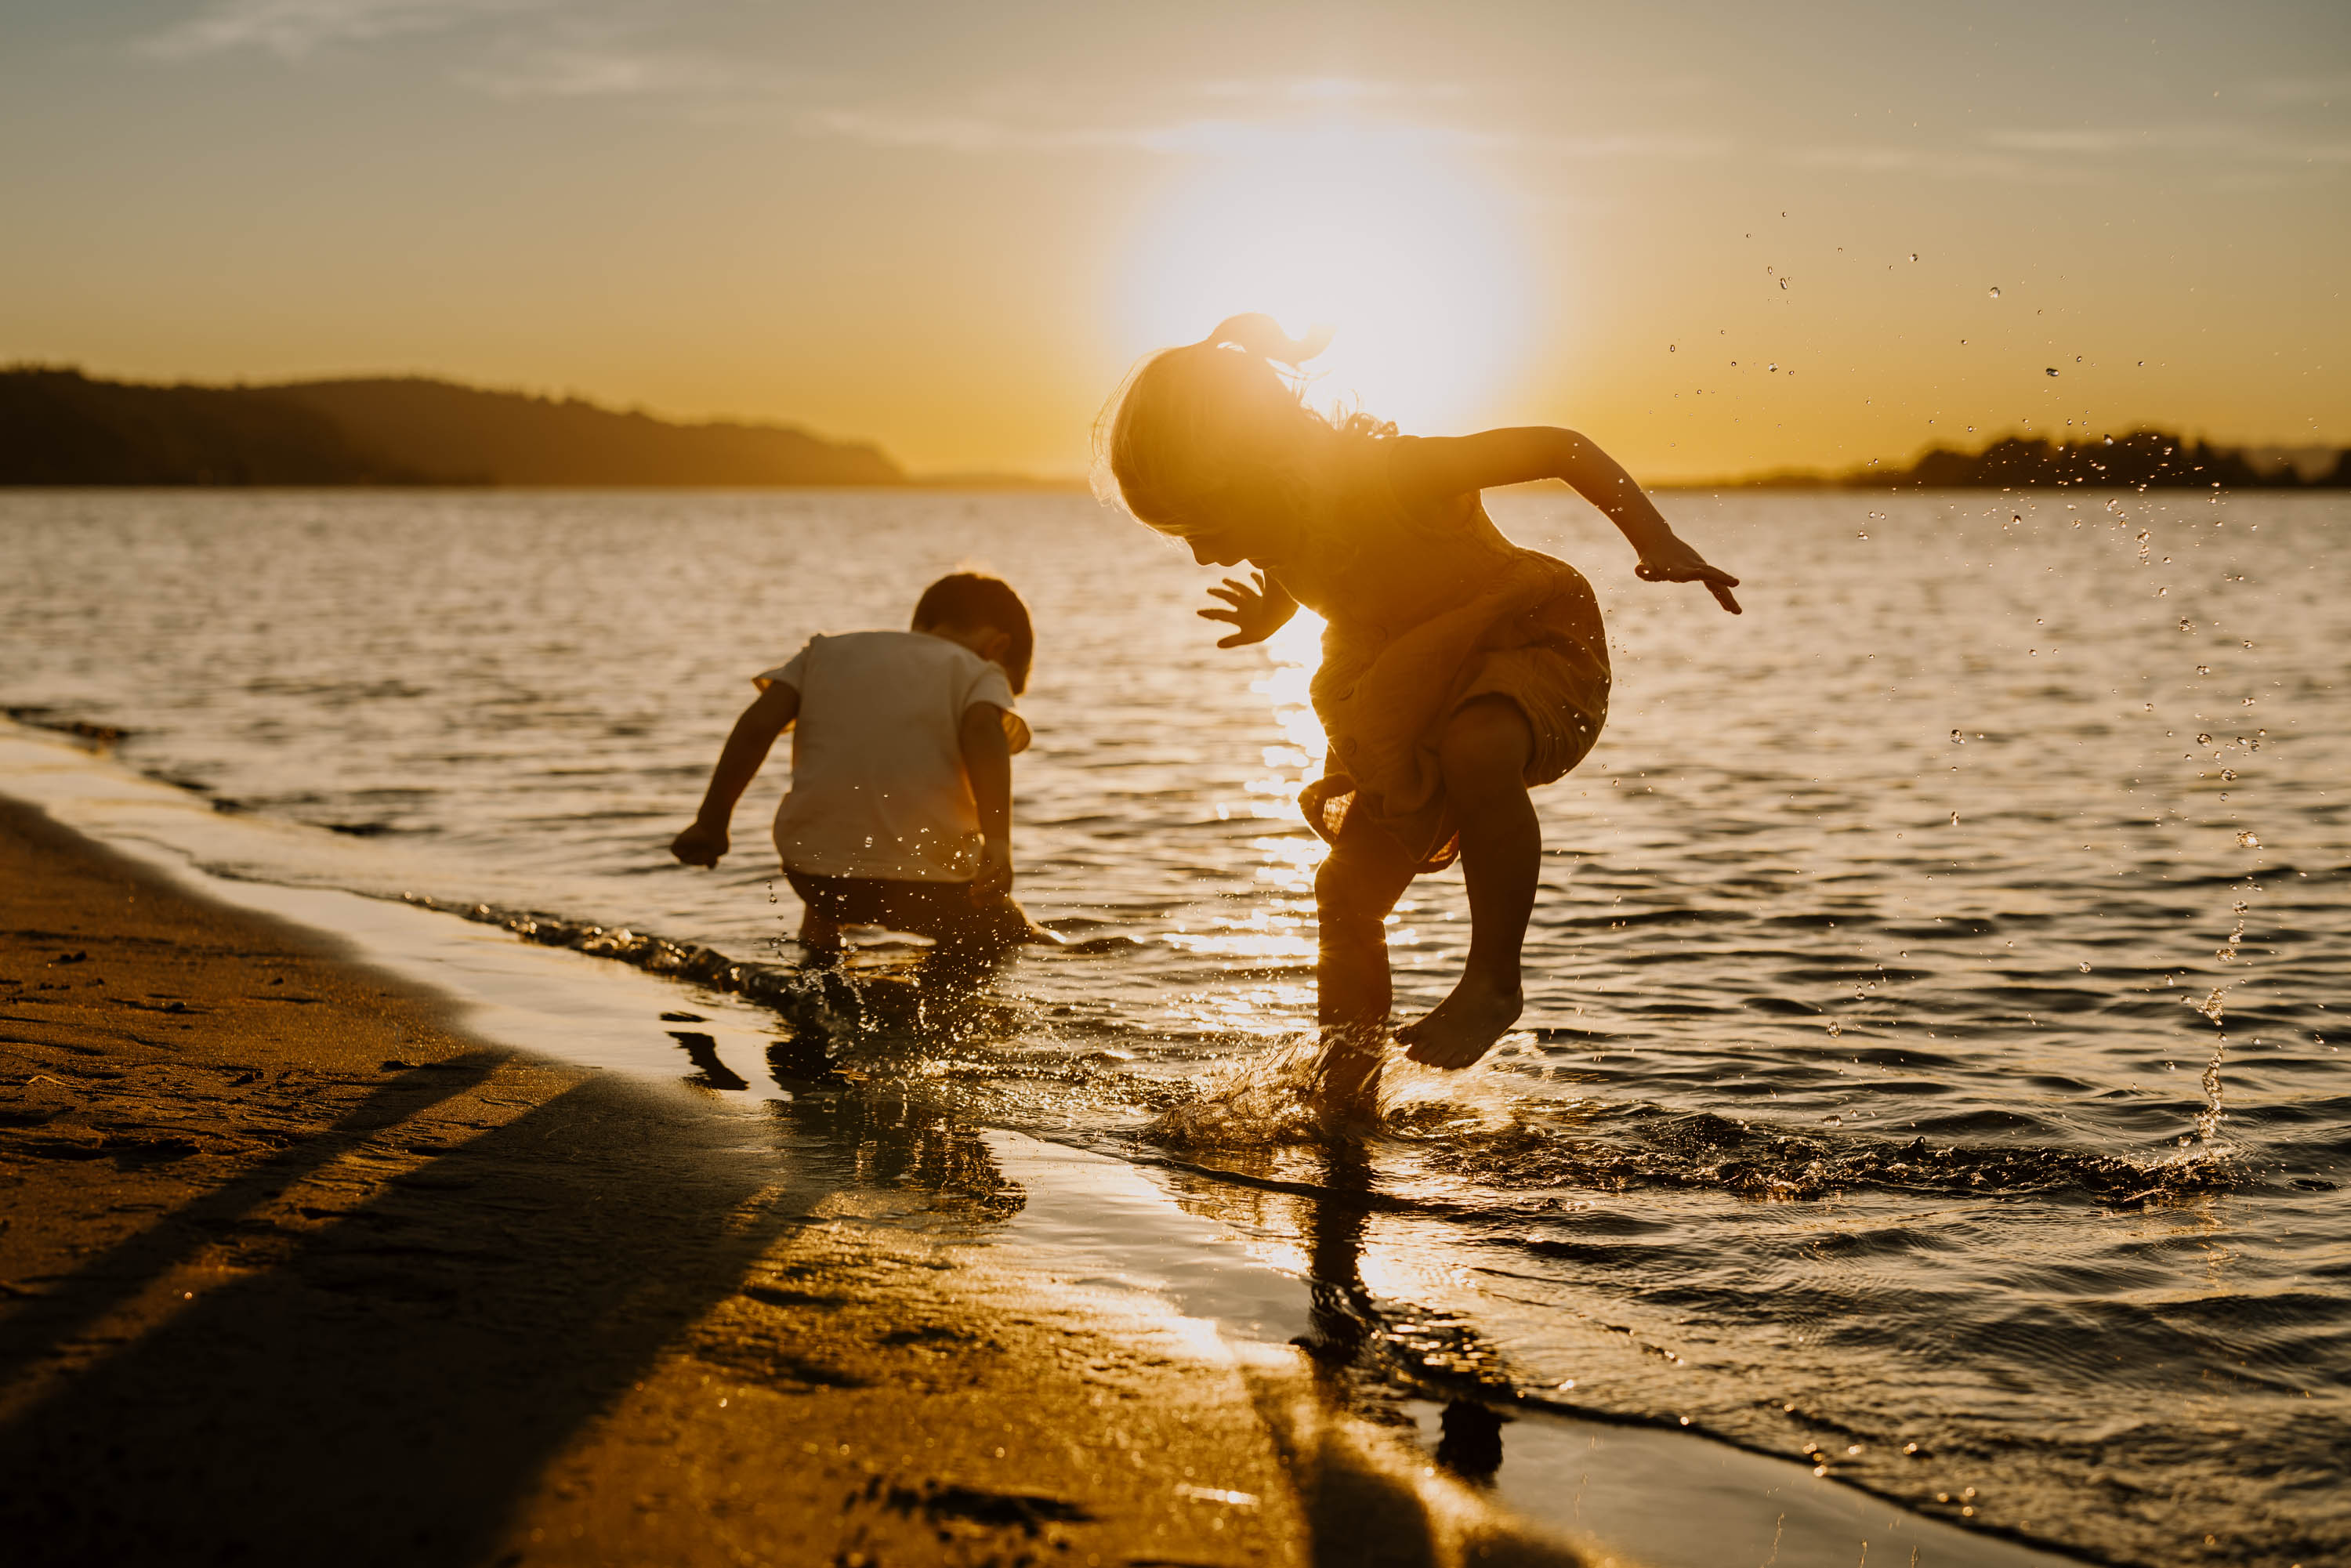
<point x="1670" y="560"/>
<point x="1256" y="613"/>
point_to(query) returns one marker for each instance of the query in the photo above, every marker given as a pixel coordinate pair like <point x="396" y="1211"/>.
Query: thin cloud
<point x="1617" y="145"/>
<point x="1328" y="90"/>
<point x="1944" y="162"/>
<point x="968" y="133"/>
<point x="2227" y="142"/>
<point x="291" y="29"/>
<point x="2303" y="89"/>
<point x="960" y="133"/>
<point x="589" y="71"/>
<point x="972" y="133"/>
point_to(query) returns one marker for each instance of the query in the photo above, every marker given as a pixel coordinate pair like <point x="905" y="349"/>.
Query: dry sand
<point x="292" y="1271"/>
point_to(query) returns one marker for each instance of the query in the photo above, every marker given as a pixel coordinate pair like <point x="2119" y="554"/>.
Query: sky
<point x="1716" y="238"/>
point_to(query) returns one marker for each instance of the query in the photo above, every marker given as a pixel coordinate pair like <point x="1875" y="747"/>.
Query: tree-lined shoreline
<point x="2141" y="458"/>
<point x="59" y="426"/>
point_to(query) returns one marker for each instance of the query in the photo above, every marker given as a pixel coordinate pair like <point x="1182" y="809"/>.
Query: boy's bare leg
<point x="1366" y="873"/>
<point x="971" y="932"/>
<point x="1484" y="751"/>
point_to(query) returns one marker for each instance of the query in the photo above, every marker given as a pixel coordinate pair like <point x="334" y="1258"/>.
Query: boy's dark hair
<point x="970" y="599"/>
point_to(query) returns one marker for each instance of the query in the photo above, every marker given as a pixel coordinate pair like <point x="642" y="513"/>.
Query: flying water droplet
<point x="2050" y="371"/>
<point x="1995" y="293"/>
<point x="1914" y="256"/>
<point x="2247" y="840"/>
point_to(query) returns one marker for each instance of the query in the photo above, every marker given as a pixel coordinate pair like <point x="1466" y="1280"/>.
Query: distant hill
<point x="58" y="427"/>
<point x="2142" y="458"/>
<point x="61" y="427"/>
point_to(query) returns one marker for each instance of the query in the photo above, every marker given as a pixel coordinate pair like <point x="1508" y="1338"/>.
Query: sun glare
<point x="1373" y="231"/>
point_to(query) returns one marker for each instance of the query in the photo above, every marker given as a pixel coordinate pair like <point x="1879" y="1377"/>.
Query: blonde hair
<point x="1213" y="429"/>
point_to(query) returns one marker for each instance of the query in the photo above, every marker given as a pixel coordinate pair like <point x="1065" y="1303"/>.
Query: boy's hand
<point x="1670" y="560"/>
<point x="995" y="878"/>
<point x="1257" y="612"/>
<point x="700" y="844"/>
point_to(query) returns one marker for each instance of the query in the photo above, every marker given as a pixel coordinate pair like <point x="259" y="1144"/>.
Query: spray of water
<point x="2213" y="1007"/>
<point x="1297" y="1091"/>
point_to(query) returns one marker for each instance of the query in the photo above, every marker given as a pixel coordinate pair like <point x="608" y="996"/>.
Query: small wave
<point x="811" y="997"/>
<point x="1701" y="1150"/>
<point x="98" y="736"/>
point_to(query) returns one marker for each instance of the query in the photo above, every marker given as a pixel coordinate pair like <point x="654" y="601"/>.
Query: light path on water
<point x="1928" y="1071"/>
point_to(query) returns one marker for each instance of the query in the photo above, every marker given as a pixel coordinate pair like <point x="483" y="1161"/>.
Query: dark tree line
<point x="2143" y="459"/>
<point x="61" y="427"/>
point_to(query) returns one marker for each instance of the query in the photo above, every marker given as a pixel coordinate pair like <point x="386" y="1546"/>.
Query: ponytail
<point x="1260" y="334"/>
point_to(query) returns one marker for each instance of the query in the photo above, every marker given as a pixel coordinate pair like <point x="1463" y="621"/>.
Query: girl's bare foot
<point x="1464" y="1026"/>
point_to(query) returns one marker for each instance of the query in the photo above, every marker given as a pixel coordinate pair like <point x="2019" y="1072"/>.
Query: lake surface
<point x="1932" y="1061"/>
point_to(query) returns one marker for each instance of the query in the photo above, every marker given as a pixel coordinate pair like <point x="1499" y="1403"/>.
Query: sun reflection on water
<point x="1289" y="860"/>
<point x="1274" y="932"/>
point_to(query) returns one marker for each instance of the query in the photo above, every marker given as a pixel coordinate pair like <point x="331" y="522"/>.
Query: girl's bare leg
<point x="820" y="934"/>
<point x="1366" y="873"/>
<point x="1484" y="751"/>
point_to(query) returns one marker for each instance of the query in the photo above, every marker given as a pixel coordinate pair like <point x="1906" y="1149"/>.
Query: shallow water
<point x="1867" y="1094"/>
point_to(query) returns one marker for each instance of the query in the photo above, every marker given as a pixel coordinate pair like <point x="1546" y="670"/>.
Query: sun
<point x="1375" y="231"/>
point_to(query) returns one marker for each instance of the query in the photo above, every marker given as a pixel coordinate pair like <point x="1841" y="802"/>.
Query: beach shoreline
<point x="295" y="1266"/>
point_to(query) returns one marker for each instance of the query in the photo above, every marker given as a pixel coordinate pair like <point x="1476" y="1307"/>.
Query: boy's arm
<point x="987" y="762"/>
<point x="770" y="714"/>
<point x="1448" y="465"/>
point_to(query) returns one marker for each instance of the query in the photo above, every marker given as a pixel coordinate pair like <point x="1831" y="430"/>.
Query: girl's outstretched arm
<point x="1448" y="465"/>
<point x="770" y="714"/>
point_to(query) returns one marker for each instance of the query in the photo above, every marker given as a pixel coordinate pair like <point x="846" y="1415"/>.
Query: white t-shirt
<point x="878" y="782"/>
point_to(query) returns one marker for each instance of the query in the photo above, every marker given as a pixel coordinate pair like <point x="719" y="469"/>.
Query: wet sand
<point x="292" y="1270"/>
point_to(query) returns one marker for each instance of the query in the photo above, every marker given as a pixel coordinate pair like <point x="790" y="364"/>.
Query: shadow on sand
<point x="385" y="1386"/>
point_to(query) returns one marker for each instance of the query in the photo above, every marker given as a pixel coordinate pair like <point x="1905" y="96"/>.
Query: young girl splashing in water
<point x="1458" y="670"/>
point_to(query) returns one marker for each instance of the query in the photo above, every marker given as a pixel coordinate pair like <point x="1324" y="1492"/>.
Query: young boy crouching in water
<point x="899" y="811"/>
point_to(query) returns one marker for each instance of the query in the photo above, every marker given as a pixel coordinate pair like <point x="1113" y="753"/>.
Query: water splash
<point x="1265" y="1099"/>
<point x="2213" y="1005"/>
<point x="2208" y="1121"/>
<point x="1298" y="1092"/>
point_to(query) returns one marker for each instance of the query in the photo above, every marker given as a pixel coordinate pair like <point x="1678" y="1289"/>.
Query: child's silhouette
<point x="900" y="813"/>
<point x="1458" y="669"/>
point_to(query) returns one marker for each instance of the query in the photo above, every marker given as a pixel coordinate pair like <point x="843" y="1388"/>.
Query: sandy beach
<point x="294" y="1270"/>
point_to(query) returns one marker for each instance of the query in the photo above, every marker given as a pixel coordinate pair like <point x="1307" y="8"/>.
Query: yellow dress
<point x="1428" y="608"/>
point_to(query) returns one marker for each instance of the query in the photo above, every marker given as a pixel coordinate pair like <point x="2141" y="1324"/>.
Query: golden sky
<point x="1687" y="230"/>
